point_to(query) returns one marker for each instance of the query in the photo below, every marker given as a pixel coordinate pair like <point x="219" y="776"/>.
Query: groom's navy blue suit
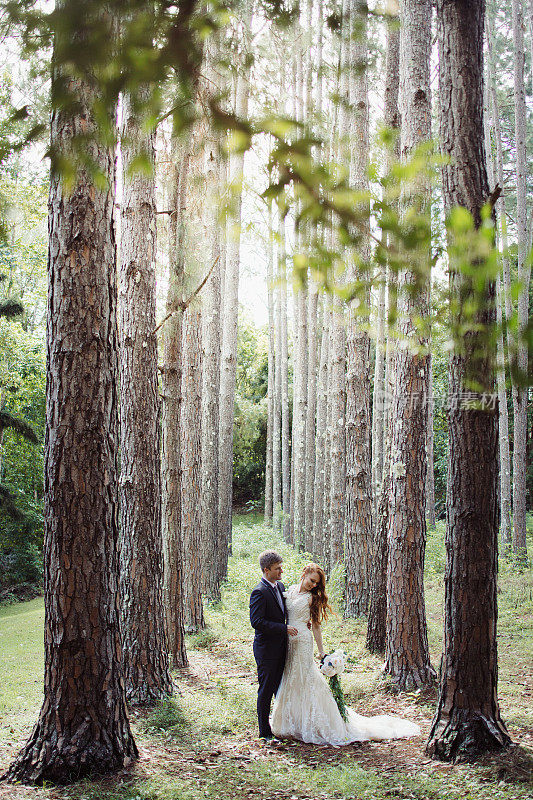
<point x="269" y="618"/>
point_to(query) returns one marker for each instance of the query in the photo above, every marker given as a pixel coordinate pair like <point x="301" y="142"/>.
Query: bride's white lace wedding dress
<point x="305" y="708"/>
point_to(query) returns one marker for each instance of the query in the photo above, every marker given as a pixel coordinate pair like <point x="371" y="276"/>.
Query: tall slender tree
<point x="503" y="417"/>
<point x="407" y="652"/>
<point x="520" y="390"/>
<point x="335" y="499"/>
<point x="211" y="328"/>
<point x="146" y="667"/>
<point x="377" y="612"/>
<point x="503" y="302"/>
<point x="171" y="369"/>
<point x="310" y="421"/>
<point x="269" y="459"/>
<point x="277" y="479"/>
<point x="299" y="416"/>
<point x="228" y="368"/>
<point x="284" y="375"/>
<point x="325" y="533"/>
<point x="337" y="433"/>
<point x="467" y="721"/>
<point x="191" y="469"/>
<point x="358" y="514"/>
<point x="321" y="434"/>
<point x="378" y="394"/>
<point x="430" y="444"/>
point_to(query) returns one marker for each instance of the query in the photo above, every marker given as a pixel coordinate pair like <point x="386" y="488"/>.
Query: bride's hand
<point x="292" y="631"/>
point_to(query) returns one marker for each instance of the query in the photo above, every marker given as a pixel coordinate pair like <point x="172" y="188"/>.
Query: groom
<point x="268" y="615"/>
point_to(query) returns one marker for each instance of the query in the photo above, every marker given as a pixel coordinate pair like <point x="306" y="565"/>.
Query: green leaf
<point x="460" y="220"/>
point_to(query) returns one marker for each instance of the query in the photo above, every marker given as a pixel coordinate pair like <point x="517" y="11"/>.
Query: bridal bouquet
<point x="332" y="666"/>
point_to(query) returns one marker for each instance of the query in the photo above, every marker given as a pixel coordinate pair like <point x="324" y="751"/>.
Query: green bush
<point x="21" y="546"/>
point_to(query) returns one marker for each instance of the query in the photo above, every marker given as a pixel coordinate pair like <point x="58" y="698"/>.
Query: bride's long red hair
<point x="320" y="608"/>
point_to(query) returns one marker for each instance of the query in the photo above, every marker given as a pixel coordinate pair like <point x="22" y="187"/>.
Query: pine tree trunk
<point x="326" y="508"/>
<point x="337" y="454"/>
<point x="407" y="652"/>
<point x="144" y="646"/>
<point x="299" y="416"/>
<point x="311" y="67"/>
<point x="358" y="503"/>
<point x="211" y="339"/>
<point x="430" y="481"/>
<point x="520" y="392"/>
<point x="285" y="414"/>
<point x="276" y="411"/>
<point x="210" y="419"/>
<point x="321" y="434"/>
<point x="300" y="372"/>
<point x="83" y="724"/>
<point x="377" y="612"/>
<point x="503" y="434"/>
<point x="468" y="721"/>
<point x="378" y="398"/>
<point x="171" y="393"/>
<point x="269" y="463"/>
<point x="504" y="312"/>
<point x="228" y="367"/>
<point x="191" y="470"/>
<point x="310" y="423"/>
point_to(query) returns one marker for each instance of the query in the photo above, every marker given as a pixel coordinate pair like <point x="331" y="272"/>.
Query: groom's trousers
<point x="269" y="674"/>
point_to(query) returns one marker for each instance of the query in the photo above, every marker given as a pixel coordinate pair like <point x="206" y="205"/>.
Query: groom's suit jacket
<point x="269" y="620"/>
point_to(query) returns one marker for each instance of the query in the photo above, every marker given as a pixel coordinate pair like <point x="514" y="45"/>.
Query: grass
<point x="21" y="665"/>
<point x="202" y="742"/>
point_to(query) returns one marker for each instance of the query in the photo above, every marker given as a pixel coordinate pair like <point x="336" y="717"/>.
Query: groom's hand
<point x="292" y="631"/>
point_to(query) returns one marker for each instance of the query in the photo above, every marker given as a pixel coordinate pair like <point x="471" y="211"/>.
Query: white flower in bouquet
<point x="332" y="666"/>
<point x="338" y="659"/>
<point x="328" y="668"/>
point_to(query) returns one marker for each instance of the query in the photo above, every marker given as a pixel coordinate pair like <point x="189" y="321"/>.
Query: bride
<point x="304" y="707"/>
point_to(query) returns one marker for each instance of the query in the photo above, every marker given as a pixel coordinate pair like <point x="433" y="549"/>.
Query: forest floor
<point x="202" y="743"/>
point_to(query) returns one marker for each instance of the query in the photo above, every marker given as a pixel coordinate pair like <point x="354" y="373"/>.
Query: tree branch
<point x="184" y="304"/>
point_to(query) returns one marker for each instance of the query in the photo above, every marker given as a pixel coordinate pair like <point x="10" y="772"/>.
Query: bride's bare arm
<point x="317" y="633"/>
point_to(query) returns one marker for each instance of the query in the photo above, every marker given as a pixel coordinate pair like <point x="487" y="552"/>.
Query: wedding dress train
<point x="305" y="708"/>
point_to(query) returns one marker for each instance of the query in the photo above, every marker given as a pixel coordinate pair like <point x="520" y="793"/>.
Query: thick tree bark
<point x="520" y="391"/>
<point x="144" y="645"/>
<point x="468" y="720"/>
<point x="407" y="652"/>
<point x="171" y="393"/>
<point x="377" y="612"/>
<point x="83" y="724"/>
<point x="358" y="510"/>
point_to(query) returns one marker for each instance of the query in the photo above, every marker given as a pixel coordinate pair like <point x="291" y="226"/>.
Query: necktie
<point x="278" y="595"/>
